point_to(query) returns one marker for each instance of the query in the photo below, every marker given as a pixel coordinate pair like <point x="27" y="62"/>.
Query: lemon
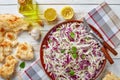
<point x="67" y="12"/>
<point x="50" y="14"/>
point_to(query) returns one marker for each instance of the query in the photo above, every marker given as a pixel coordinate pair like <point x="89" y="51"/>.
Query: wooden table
<point x="79" y="6"/>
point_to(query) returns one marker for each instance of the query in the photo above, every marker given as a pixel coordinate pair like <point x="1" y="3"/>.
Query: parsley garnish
<point x="22" y="65"/>
<point x="87" y="38"/>
<point x="63" y="50"/>
<point x="72" y="73"/>
<point x="74" y="49"/>
<point x="72" y="35"/>
<point x="74" y="55"/>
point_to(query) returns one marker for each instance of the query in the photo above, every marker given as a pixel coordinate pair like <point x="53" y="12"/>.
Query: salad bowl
<point x="71" y="73"/>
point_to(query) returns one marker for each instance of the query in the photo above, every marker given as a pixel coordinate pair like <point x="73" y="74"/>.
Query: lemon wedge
<point x="67" y="12"/>
<point x="50" y="14"/>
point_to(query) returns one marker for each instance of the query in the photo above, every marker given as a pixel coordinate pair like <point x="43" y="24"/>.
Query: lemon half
<point x="67" y="12"/>
<point x="50" y="14"/>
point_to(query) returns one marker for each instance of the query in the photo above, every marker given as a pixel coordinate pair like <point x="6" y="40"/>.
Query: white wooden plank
<point x="8" y="1"/>
<point x="64" y="1"/>
<point x="79" y="9"/>
<point x="13" y="9"/>
<point x="114" y="68"/>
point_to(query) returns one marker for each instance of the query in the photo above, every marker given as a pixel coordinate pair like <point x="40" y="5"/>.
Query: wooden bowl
<point x="44" y="42"/>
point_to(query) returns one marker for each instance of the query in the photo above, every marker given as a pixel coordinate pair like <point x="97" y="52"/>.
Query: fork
<point x="102" y="42"/>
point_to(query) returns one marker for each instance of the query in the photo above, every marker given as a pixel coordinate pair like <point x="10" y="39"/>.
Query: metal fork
<point x="103" y="43"/>
<point x="88" y="28"/>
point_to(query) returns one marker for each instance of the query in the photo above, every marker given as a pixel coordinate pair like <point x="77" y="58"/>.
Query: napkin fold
<point x="106" y="22"/>
<point x="103" y="19"/>
<point x="34" y="72"/>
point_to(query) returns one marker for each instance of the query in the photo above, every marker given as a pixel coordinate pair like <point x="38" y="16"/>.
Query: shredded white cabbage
<point x="72" y="53"/>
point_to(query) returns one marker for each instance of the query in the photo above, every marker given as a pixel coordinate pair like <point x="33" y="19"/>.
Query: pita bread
<point x="8" y="68"/>
<point x="13" y="23"/>
<point x="10" y="36"/>
<point x="2" y="32"/>
<point x="111" y="76"/>
<point x="1" y="54"/>
<point x="24" y="51"/>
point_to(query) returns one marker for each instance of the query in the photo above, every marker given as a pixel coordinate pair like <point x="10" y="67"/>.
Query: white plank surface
<point x="79" y="6"/>
<point x="13" y="9"/>
<point x="65" y="1"/>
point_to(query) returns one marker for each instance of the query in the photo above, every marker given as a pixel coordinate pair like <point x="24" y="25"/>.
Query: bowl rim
<point x="46" y="38"/>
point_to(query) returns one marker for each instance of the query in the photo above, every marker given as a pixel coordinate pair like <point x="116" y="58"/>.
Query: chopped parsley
<point x="74" y="49"/>
<point x="87" y="38"/>
<point x="62" y="50"/>
<point x="22" y="65"/>
<point x="72" y="35"/>
<point x="71" y="72"/>
<point x="74" y="55"/>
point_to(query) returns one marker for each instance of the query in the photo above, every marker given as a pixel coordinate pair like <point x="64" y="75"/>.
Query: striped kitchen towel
<point x="106" y="22"/>
<point x="34" y="72"/>
<point x="103" y="19"/>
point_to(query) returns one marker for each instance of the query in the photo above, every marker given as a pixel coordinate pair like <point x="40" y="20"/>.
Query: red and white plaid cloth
<point x="103" y="19"/>
<point x="106" y="22"/>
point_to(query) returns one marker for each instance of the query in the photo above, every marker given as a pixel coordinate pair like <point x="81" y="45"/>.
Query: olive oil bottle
<point x="30" y="10"/>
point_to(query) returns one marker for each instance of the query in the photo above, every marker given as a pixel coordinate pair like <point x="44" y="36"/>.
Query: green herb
<point x="74" y="49"/>
<point x="63" y="50"/>
<point x="72" y="73"/>
<point x="74" y="55"/>
<point x="87" y="38"/>
<point x="22" y="65"/>
<point x="58" y="29"/>
<point x="83" y="56"/>
<point x="70" y="52"/>
<point x="49" y="40"/>
<point x="72" y="35"/>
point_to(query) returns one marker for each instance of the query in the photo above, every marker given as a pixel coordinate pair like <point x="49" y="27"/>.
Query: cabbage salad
<point x="72" y="54"/>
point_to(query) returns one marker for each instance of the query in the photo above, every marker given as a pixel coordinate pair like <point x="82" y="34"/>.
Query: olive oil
<point x="30" y="10"/>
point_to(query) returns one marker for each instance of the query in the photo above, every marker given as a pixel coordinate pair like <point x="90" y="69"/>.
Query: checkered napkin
<point x="103" y="19"/>
<point x="106" y="22"/>
<point x="34" y="72"/>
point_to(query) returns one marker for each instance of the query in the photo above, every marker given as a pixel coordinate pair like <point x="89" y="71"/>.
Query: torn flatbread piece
<point x="1" y="54"/>
<point x="25" y="51"/>
<point x="13" y="22"/>
<point x="10" y="36"/>
<point x="111" y="76"/>
<point x="7" y="69"/>
<point x="2" y="32"/>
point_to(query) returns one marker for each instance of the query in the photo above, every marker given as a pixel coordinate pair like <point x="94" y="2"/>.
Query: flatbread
<point x="7" y="47"/>
<point x="13" y="22"/>
<point x="24" y="51"/>
<point x="10" y="36"/>
<point x="1" y="54"/>
<point x="2" y="32"/>
<point x="111" y="76"/>
<point x="7" y="69"/>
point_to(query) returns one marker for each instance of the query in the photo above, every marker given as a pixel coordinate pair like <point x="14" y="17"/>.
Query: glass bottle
<point x="30" y="10"/>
